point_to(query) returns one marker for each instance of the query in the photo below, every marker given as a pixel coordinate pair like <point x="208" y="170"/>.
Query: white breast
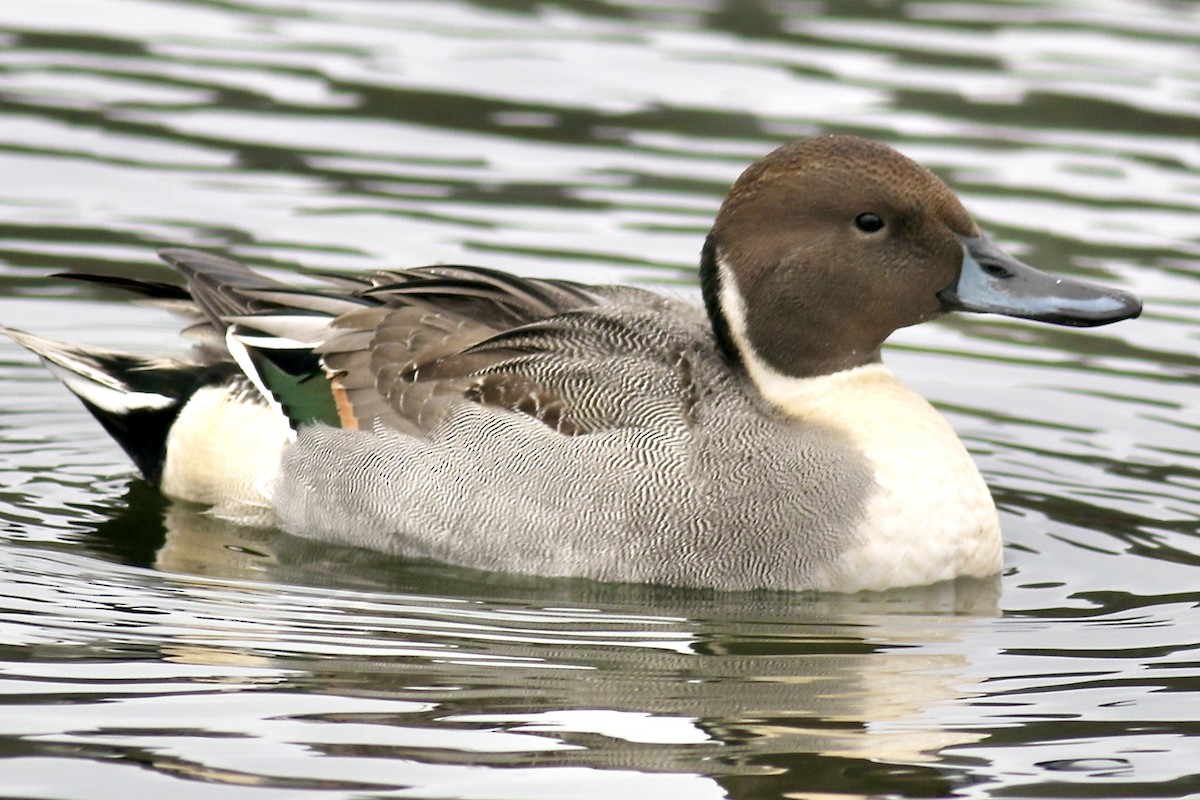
<point x="930" y="517"/>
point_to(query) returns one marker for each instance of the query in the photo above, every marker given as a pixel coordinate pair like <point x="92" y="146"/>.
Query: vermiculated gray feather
<point x="670" y="471"/>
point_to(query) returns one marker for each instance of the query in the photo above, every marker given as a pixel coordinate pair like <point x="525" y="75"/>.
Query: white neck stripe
<point x="776" y="387"/>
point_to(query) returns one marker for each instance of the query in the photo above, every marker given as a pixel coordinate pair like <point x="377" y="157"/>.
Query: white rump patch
<point x="224" y="450"/>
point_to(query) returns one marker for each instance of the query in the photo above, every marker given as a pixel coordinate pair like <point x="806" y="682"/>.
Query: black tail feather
<point x="135" y="398"/>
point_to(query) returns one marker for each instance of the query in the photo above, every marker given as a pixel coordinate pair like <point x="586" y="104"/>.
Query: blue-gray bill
<point x="993" y="282"/>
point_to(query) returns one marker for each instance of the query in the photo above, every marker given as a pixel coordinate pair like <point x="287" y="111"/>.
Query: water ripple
<point x="147" y="650"/>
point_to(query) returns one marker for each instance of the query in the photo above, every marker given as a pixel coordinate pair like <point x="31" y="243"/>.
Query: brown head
<point x="826" y="246"/>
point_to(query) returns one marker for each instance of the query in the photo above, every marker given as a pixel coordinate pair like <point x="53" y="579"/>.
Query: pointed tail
<point x="135" y="398"/>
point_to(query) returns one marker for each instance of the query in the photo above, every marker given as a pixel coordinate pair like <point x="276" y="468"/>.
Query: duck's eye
<point x="868" y="222"/>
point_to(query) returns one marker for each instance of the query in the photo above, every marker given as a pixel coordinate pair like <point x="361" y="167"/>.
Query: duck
<point x="754" y="441"/>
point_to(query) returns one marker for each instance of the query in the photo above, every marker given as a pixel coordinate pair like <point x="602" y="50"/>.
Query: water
<point x="148" y="651"/>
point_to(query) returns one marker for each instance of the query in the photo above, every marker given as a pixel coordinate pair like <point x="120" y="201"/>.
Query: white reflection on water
<point x="307" y="683"/>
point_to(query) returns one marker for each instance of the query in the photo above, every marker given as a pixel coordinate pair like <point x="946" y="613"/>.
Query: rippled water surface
<point x="147" y="651"/>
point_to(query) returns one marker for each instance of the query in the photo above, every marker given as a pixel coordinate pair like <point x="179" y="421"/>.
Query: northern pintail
<point x="548" y="427"/>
